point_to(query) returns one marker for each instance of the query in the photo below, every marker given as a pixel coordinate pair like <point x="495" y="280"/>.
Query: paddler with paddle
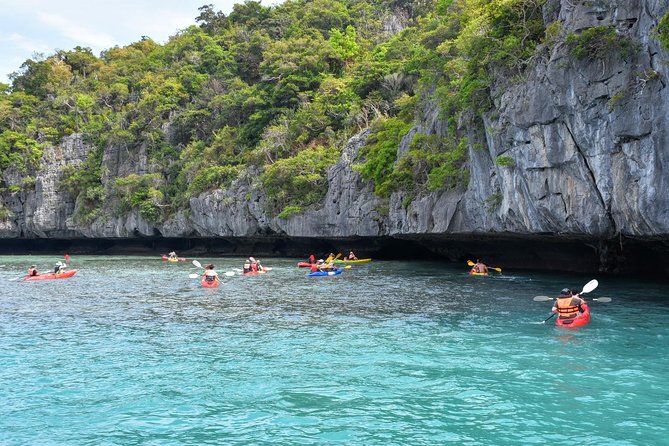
<point x="568" y="304"/>
<point x="480" y="267"/>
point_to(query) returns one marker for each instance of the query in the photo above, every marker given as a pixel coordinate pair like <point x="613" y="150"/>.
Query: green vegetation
<point x="380" y="154"/>
<point x="294" y="183"/>
<point x="600" y="41"/>
<point x="275" y="90"/>
<point x="662" y="31"/>
<point x="505" y="161"/>
<point x="139" y="192"/>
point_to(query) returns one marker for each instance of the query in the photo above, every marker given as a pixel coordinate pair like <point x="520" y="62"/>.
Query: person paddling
<point x="568" y="304"/>
<point x="312" y="259"/>
<point x="59" y="268"/>
<point x="480" y="267"/>
<point x="352" y="256"/>
<point x="210" y="275"/>
<point x="32" y="271"/>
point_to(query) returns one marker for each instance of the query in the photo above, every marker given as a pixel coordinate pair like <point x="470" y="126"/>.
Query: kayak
<point x="210" y="284"/>
<point x="326" y="273"/>
<point x="353" y="261"/>
<point x="304" y="264"/>
<point x="474" y="273"/>
<point x="178" y="259"/>
<point x="254" y="273"/>
<point x="51" y="276"/>
<point x="578" y="321"/>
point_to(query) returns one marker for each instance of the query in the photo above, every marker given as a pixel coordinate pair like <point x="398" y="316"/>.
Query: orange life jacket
<point x="565" y="308"/>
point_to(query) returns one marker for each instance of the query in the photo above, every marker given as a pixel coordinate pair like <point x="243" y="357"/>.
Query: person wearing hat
<point x="568" y="304"/>
<point x="32" y="271"/>
<point x="60" y="266"/>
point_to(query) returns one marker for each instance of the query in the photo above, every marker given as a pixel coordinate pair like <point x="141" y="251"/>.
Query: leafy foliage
<point x="299" y="181"/>
<point x="662" y="31"/>
<point x="279" y="89"/>
<point x="600" y="41"/>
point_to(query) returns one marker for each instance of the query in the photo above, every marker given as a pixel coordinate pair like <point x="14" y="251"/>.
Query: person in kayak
<point x="311" y="259"/>
<point x="210" y="275"/>
<point x="59" y="268"/>
<point x="247" y="267"/>
<point x="352" y="256"/>
<point x="32" y="271"/>
<point x="568" y="304"/>
<point x="479" y="267"/>
<point x="172" y="255"/>
<point x="254" y="265"/>
<point x="323" y="266"/>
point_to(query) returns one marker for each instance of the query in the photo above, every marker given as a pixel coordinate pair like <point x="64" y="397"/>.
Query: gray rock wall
<point x="588" y="140"/>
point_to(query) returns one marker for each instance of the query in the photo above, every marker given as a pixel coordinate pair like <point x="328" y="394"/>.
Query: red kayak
<point x="304" y="265"/>
<point x="210" y="283"/>
<point x="51" y="276"/>
<point x="578" y="321"/>
<point x="253" y="273"/>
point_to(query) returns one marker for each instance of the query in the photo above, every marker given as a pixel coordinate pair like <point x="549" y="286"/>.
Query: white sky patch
<point x="25" y="43"/>
<point x="76" y="32"/>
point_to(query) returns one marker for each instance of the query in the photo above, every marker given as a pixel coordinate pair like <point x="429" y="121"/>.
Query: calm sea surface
<point x="130" y="351"/>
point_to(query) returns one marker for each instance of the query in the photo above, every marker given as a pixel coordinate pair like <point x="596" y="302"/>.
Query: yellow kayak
<point x="353" y="261"/>
<point x="474" y="273"/>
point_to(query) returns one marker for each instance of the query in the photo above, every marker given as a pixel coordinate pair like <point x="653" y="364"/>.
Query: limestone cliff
<point x="584" y="142"/>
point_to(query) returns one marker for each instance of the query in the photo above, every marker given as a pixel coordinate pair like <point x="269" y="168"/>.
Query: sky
<point x="44" y="26"/>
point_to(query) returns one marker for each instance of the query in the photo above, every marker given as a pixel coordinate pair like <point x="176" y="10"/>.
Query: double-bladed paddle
<point x="588" y="287"/>
<point x="499" y="270"/>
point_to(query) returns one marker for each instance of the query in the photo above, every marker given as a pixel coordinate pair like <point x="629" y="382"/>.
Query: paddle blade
<point x="67" y="258"/>
<point x="541" y="298"/>
<point x="347" y="267"/>
<point x="499" y="270"/>
<point x="590" y="286"/>
<point x="193" y="276"/>
<point x="196" y="263"/>
<point x="229" y="273"/>
<point x="470" y="263"/>
<point x="603" y="299"/>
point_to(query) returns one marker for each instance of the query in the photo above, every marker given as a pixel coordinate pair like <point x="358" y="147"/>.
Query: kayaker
<point x="59" y="268"/>
<point x="352" y="256"/>
<point x="258" y="265"/>
<point x="254" y="264"/>
<point x="311" y="259"/>
<point x="32" y="271"/>
<point x="314" y="267"/>
<point x="325" y="266"/>
<point x="568" y="304"/>
<point x="247" y="267"/>
<point x="172" y="255"/>
<point x="210" y="275"/>
<point x="479" y="267"/>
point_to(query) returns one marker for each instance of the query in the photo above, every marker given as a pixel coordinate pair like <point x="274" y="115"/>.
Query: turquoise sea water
<point x="130" y="351"/>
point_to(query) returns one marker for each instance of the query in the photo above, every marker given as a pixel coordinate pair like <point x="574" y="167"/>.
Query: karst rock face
<point x="584" y="143"/>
